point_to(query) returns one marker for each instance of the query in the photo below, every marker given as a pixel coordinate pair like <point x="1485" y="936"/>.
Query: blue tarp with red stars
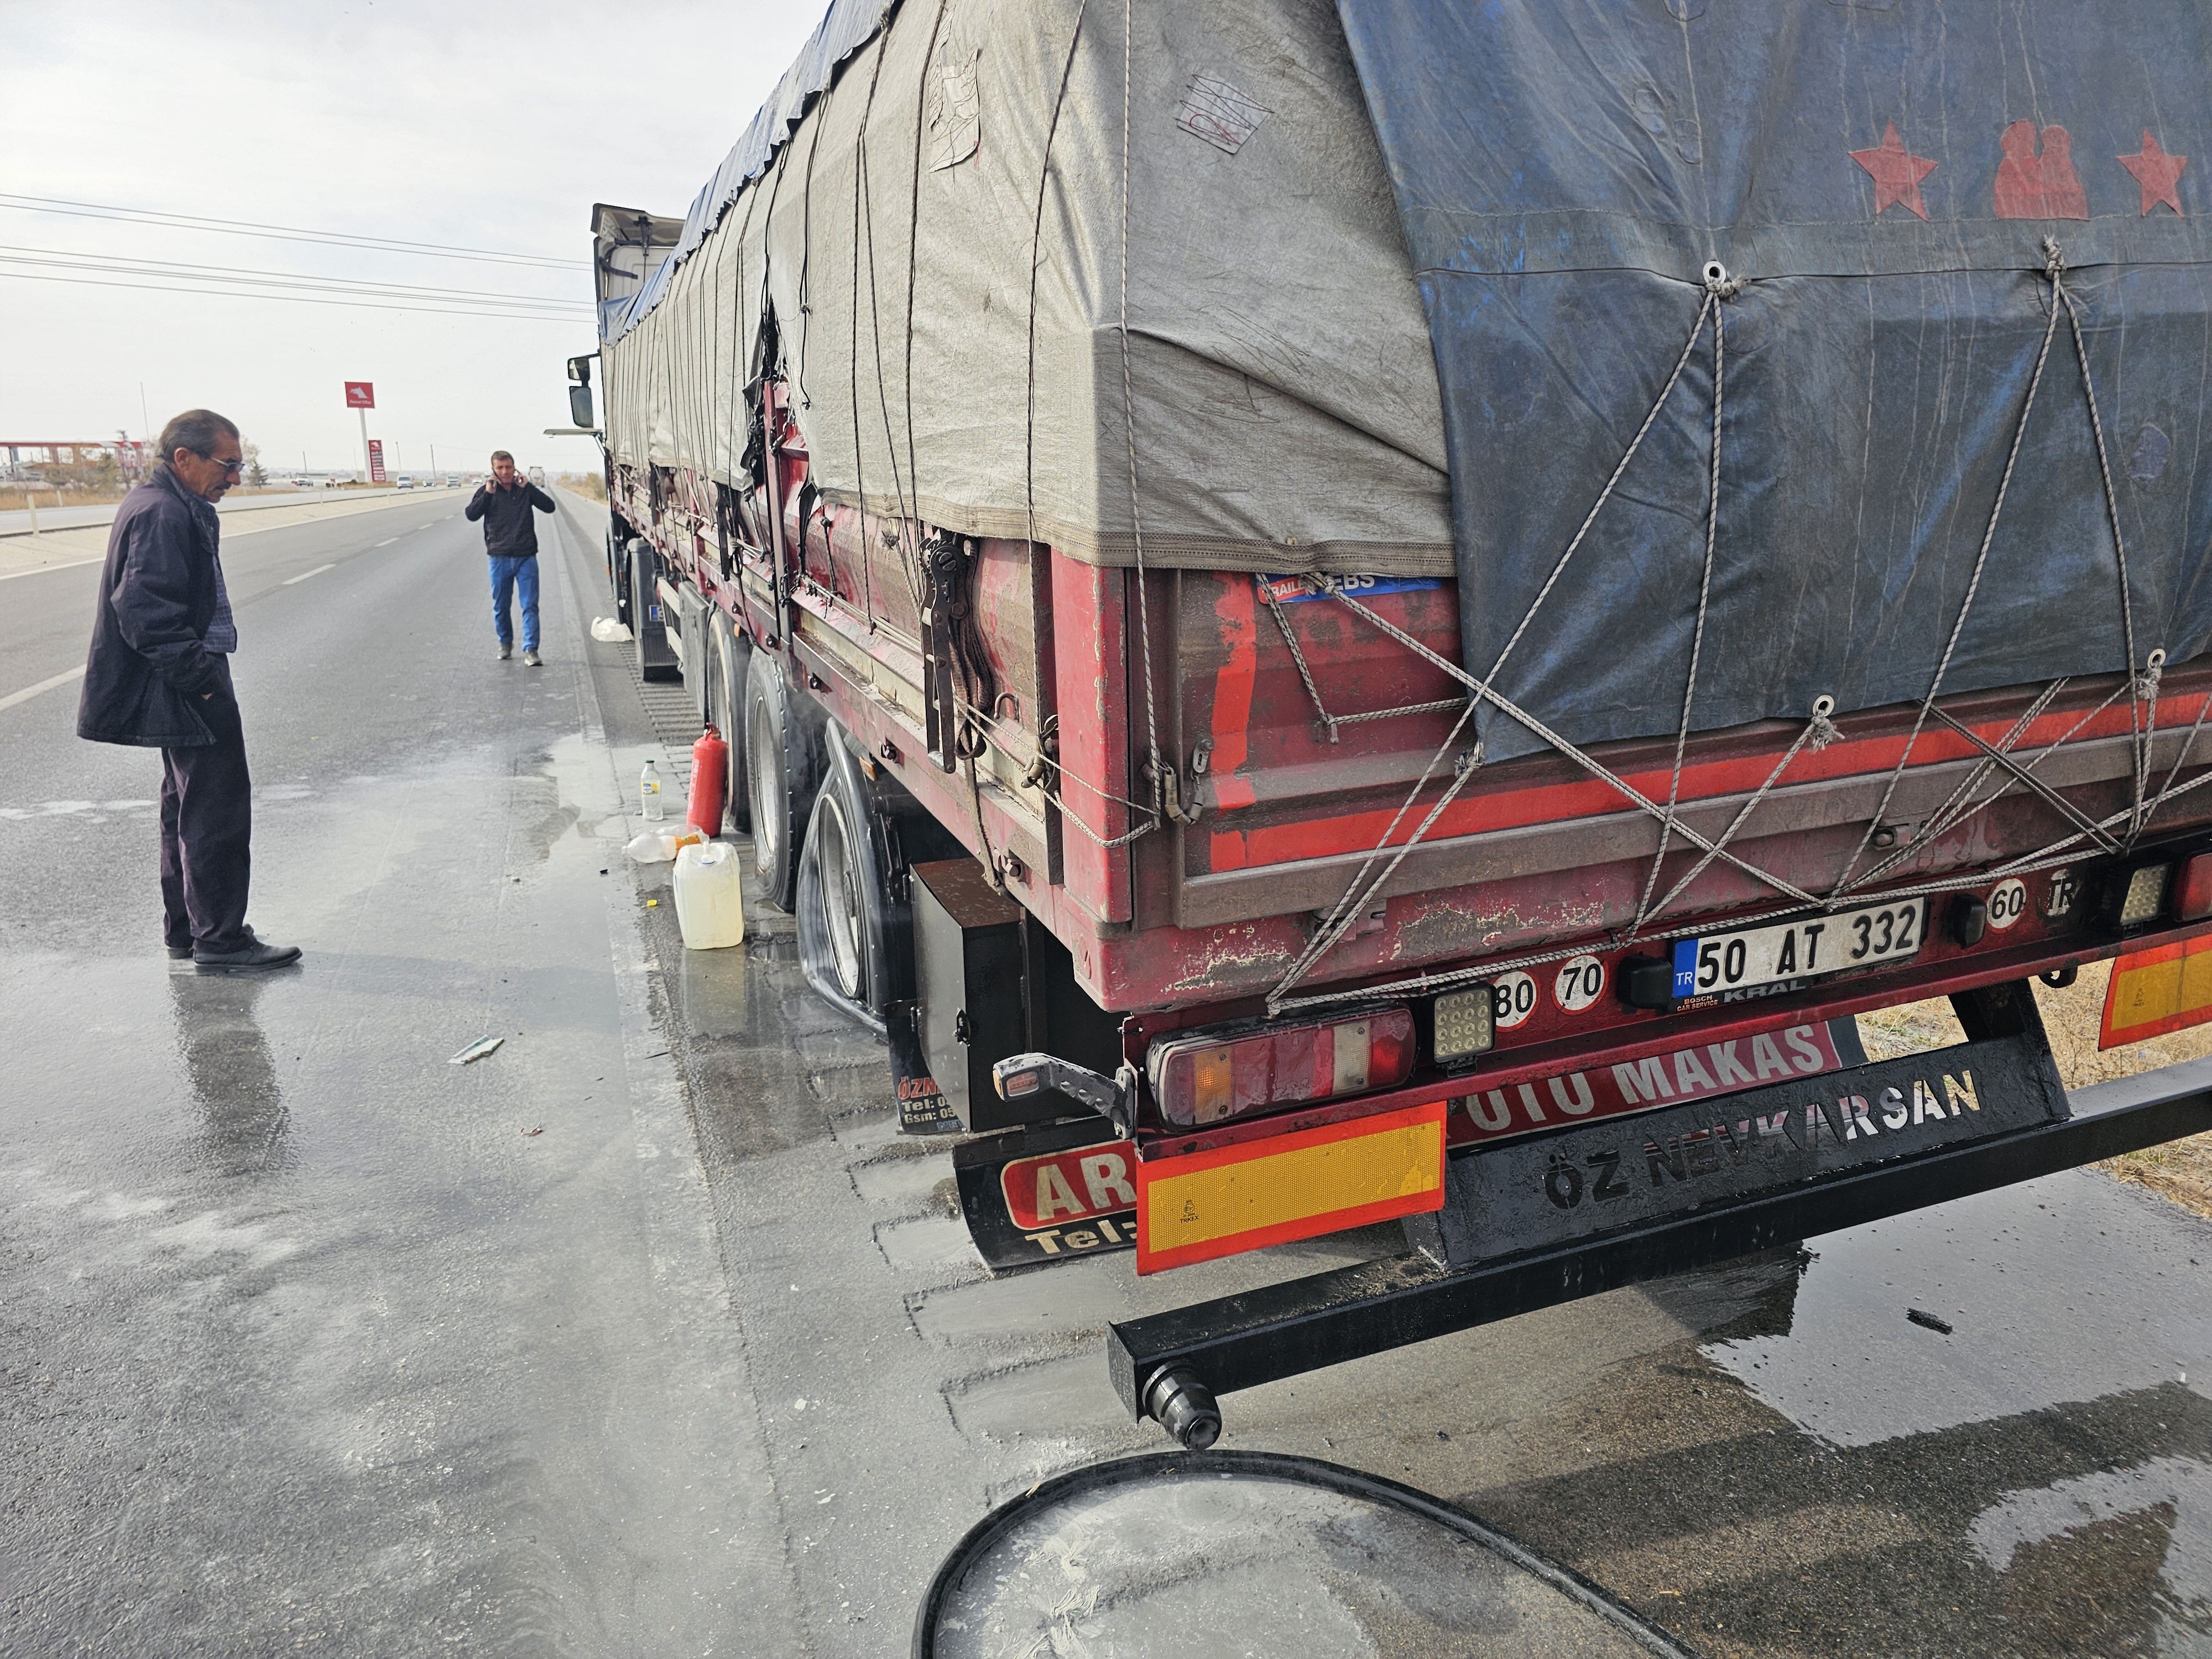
<point x="1884" y="175"/>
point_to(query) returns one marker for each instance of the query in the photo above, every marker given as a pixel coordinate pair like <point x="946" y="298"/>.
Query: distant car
<point x="404" y="481"/>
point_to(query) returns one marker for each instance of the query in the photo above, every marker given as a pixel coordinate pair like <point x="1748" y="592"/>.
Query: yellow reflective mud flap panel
<point x="2166" y="989"/>
<point x="1240" y="1198"/>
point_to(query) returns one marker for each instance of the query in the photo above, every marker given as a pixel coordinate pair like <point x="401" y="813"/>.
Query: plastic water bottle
<point x="648" y="794"/>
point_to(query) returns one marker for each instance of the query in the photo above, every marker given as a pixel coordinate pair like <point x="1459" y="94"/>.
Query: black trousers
<point x="207" y="830"/>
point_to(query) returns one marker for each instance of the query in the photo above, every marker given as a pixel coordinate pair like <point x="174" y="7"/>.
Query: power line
<point x="276" y="233"/>
<point x="68" y="259"/>
<point x="299" y="299"/>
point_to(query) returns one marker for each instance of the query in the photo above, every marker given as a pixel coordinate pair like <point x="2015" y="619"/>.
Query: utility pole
<point x="434" y="462"/>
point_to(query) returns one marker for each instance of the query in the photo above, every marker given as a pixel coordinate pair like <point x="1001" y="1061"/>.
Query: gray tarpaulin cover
<point x="1284" y="390"/>
<point x="1548" y="179"/>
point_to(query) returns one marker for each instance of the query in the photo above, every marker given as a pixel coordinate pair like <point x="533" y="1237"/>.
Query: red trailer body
<point x="1535" y="867"/>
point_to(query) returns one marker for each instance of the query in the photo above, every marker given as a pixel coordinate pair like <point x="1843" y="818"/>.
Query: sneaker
<point x="253" y="957"/>
<point x="180" y="953"/>
<point x="532" y="659"/>
<point x="505" y="652"/>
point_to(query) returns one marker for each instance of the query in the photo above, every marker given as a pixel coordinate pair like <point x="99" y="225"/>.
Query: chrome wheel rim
<point x="759" y="767"/>
<point x="841" y="898"/>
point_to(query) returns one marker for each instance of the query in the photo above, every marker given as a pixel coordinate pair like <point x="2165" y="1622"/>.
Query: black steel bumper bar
<point x="1303" y="1324"/>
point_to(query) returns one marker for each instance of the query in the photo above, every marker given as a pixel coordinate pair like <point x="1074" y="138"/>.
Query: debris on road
<point x="539" y="1130"/>
<point x="477" y="1050"/>
<point x="1940" y="1327"/>
<point x="610" y="631"/>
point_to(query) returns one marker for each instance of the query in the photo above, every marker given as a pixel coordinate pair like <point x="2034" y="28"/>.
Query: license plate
<point x="1720" y="962"/>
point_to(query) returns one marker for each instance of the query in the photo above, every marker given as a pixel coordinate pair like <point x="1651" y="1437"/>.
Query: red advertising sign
<point x="360" y="394"/>
<point x="1063" y="1189"/>
<point x="376" y="460"/>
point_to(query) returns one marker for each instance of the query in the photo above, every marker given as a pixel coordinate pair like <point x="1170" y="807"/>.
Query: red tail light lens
<point x="1202" y="1079"/>
<point x="2192" y="897"/>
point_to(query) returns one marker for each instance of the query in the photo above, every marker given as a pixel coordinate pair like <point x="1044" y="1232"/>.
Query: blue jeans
<point x="509" y="576"/>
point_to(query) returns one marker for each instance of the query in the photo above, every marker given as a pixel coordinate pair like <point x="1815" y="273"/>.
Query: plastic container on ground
<point x="648" y="794"/>
<point x="710" y="903"/>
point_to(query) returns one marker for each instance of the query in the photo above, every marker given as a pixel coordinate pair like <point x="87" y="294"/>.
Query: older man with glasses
<point x="159" y="677"/>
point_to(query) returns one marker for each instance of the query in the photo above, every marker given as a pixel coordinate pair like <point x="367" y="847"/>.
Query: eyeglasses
<point x="228" y="466"/>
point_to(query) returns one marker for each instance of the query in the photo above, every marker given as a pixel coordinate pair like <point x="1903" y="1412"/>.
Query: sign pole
<point x="364" y="443"/>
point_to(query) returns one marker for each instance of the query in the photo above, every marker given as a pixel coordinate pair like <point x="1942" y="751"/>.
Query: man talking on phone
<point x="504" y="503"/>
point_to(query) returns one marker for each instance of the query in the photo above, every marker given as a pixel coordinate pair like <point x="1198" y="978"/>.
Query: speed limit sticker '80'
<point x="1516" y="998"/>
<point x="1580" y="983"/>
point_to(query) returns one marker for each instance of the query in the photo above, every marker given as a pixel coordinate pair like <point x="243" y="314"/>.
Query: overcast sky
<point x="480" y="126"/>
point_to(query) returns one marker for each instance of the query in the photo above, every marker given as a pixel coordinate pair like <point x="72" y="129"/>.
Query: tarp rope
<point x="1367" y="884"/>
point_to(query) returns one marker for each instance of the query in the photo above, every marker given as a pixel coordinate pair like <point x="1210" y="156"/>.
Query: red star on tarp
<point x="1896" y="173"/>
<point x="2157" y="172"/>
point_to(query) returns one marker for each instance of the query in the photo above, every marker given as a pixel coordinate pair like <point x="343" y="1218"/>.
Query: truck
<point x="1332" y="614"/>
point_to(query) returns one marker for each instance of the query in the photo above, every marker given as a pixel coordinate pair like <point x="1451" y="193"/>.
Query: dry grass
<point x="2181" y="1171"/>
<point x="584" y="483"/>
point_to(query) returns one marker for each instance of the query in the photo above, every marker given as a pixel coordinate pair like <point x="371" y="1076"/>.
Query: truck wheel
<point x="855" y="931"/>
<point x="726" y="697"/>
<point x="840" y="902"/>
<point x="783" y="772"/>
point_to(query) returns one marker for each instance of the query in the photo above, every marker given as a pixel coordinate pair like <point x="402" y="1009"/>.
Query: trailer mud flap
<point x="923" y="1108"/>
<point x="1626" y="1172"/>
<point x="1046" y="1195"/>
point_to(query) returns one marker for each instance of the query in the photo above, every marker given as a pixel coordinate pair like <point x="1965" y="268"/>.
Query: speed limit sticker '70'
<point x="1580" y="983"/>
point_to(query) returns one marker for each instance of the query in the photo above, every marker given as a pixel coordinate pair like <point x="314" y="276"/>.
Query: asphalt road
<point x="649" y="1335"/>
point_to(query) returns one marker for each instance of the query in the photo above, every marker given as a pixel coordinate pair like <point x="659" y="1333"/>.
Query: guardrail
<point x="256" y="505"/>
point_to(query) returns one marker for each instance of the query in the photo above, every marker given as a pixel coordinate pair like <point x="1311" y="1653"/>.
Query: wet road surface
<point x="307" y="1339"/>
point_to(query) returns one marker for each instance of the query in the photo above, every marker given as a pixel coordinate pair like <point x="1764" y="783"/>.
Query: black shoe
<point x="251" y="957"/>
<point x="532" y="659"/>
<point x="180" y="953"/>
<point x="505" y="652"/>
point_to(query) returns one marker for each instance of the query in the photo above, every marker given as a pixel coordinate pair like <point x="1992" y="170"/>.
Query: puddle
<point x="1203" y="1556"/>
<point x="2026" y="1277"/>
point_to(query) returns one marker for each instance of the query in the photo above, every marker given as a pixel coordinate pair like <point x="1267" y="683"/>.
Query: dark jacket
<point x="147" y="669"/>
<point x="509" y="532"/>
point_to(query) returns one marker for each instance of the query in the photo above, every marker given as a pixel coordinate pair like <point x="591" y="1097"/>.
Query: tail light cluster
<point x="1203" y="1079"/>
<point x="2142" y="895"/>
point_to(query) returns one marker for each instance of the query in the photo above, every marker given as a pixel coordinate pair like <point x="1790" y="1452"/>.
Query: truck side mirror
<point x="579" y="405"/>
<point x="580" y="370"/>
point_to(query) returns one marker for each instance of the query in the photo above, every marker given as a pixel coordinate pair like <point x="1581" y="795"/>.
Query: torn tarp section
<point x="1885" y="179"/>
<point x="846" y="27"/>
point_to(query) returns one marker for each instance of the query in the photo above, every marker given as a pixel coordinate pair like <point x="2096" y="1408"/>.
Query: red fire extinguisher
<point x="710" y="767"/>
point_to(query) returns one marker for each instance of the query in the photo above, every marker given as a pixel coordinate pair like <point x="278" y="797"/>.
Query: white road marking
<point x="387" y="541"/>
<point x="41" y="569"/>
<point x="304" y="575"/>
<point x="31" y="691"/>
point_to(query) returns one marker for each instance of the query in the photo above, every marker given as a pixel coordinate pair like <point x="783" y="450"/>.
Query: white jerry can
<point x="710" y="901"/>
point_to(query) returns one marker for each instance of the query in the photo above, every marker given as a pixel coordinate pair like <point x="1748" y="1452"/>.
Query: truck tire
<point x="855" y="922"/>
<point x="730" y="655"/>
<point x="784" y="756"/>
<point x="842" y="896"/>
